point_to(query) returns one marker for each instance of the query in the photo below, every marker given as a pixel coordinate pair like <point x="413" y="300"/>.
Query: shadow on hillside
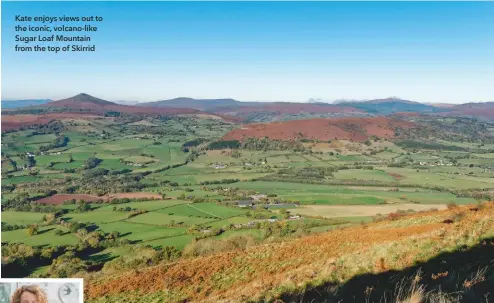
<point x="45" y="231"/>
<point x="467" y="275"/>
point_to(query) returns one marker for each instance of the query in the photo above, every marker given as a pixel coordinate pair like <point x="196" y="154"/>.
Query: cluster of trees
<point x="67" y="265"/>
<point x="159" y="170"/>
<point x="222" y="181"/>
<point x="60" y="141"/>
<point x="82" y="207"/>
<point x="142" y="256"/>
<point x="477" y="194"/>
<point x="132" y="212"/>
<point x="95" y="172"/>
<point x="26" y="205"/>
<point x="192" y="156"/>
<point x="104" y="184"/>
<point x="201" y="233"/>
<point x="425" y="145"/>
<point x="30" y="161"/>
<point x="308" y="172"/>
<point x="8" y="227"/>
<point x="266" y="144"/>
<point x="112" y="114"/>
<point x="192" y="143"/>
<point x="127" y="200"/>
<point x="222" y="144"/>
<point x="92" y="162"/>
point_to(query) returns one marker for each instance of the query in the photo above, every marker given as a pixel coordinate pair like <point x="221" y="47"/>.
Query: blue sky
<point x="283" y="51"/>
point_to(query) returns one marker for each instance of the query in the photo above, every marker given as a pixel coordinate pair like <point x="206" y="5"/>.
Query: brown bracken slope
<point x="357" y="129"/>
<point x="266" y="271"/>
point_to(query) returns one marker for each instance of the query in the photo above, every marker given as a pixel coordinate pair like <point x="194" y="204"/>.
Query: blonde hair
<point x="34" y="289"/>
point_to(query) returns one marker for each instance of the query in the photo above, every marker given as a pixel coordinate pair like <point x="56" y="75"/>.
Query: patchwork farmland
<point x="97" y="195"/>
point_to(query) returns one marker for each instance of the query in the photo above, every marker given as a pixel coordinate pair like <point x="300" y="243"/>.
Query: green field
<point x="21" y="218"/>
<point x="96" y="217"/>
<point x="140" y="232"/>
<point x="45" y="237"/>
<point x="160" y="219"/>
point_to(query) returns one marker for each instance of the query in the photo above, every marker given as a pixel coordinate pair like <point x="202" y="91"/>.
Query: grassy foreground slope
<point x="454" y="249"/>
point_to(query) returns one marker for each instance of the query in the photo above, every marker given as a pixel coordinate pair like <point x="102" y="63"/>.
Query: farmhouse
<point x="245" y="203"/>
<point x="218" y="166"/>
<point x="258" y="197"/>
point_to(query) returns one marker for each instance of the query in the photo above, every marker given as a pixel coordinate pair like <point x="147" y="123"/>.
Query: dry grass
<point x="335" y="211"/>
<point x="267" y="271"/>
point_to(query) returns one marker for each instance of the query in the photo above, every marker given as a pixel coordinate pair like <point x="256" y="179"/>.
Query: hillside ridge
<point x="265" y="272"/>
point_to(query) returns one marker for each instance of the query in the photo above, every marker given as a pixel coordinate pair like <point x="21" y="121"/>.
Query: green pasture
<point x="332" y="194"/>
<point x="179" y="242"/>
<point x="227" y="222"/>
<point x="255" y="233"/>
<point x="422" y="177"/>
<point x="160" y="219"/>
<point x="140" y="232"/>
<point x="219" y="211"/>
<point x="364" y="174"/>
<point x="125" y="144"/>
<point x="21" y="218"/>
<point x="43" y="138"/>
<point x="186" y="210"/>
<point x="45" y="237"/>
<point x="73" y="164"/>
<point x="145" y="205"/>
<point x="97" y="217"/>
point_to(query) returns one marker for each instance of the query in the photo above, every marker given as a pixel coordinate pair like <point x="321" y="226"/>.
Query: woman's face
<point x="28" y="297"/>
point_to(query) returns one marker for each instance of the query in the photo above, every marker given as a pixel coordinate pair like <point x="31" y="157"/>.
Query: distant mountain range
<point x="96" y="105"/>
<point x="23" y="103"/>
<point x="239" y="109"/>
<point x="200" y="104"/>
<point x="391" y="105"/>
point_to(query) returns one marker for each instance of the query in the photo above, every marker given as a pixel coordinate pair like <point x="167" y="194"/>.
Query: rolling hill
<point x="200" y="104"/>
<point x="288" y="108"/>
<point x="358" y="129"/>
<point x="96" y="105"/>
<point x="84" y="106"/>
<point x="391" y="105"/>
<point x="258" y="111"/>
<point x="482" y="110"/>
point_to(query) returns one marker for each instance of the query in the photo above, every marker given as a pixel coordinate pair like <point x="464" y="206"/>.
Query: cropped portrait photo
<point x="41" y="291"/>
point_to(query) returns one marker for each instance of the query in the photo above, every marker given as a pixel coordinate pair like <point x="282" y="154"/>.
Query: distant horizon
<point x="337" y="101"/>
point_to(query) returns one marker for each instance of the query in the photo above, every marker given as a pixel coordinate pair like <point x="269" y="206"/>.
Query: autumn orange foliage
<point x="239" y="275"/>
